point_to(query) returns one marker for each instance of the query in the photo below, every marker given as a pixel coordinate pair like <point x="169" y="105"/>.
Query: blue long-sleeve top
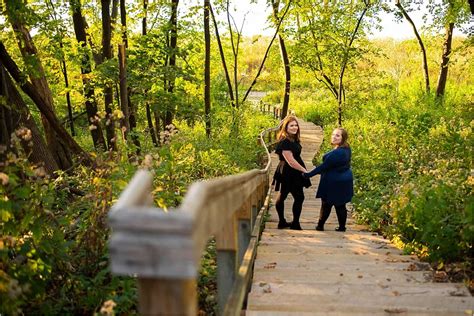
<point x="336" y="183"/>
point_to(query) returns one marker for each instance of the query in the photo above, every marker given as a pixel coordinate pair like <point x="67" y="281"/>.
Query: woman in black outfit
<point x="288" y="174"/>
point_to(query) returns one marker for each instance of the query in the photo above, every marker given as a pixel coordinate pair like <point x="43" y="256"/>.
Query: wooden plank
<point x="388" y="312"/>
<point x="360" y="302"/>
<point x="226" y="239"/>
<point x="376" y="289"/>
<point x="245" y="210"/>
<point x="326" y="275"/>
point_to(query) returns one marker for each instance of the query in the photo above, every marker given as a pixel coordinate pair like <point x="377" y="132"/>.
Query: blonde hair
<point x="283" y="133"/>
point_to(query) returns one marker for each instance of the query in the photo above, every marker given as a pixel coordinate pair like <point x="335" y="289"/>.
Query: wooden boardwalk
<point x="310" y="272"/>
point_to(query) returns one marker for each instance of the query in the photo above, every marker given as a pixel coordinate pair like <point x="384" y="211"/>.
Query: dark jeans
<point x="298" y="197"/>
<point x="341" y="213"/>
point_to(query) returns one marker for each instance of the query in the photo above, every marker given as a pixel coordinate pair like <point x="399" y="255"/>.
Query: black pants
<point x="298" y="197"/>
<point x="341" y="213"/>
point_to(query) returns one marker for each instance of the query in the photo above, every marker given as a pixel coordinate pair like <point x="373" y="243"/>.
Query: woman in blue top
<point x="336" y="184"/>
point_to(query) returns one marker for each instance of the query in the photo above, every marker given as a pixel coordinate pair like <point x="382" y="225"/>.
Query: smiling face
<point x="289" y="128"/>
<point x="292" y="128"/>
<point x="336" y="137"/>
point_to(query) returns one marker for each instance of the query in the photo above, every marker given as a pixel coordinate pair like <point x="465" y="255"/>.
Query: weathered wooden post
<point x="155" y="246"/>
<point x="244" y="229"/>
<point x="226" y="246"/>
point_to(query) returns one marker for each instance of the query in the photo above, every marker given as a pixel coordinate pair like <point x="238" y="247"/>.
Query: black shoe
<point x="340" y="229"/>
<point x="320" y="228"/>
<point x="295" y="226"/>
<point x="283" y="225"/>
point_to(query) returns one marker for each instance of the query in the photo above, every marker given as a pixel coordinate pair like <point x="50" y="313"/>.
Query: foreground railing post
<point x="156" y="247"/>
<point x="226" y="246"/>
<point x="167" y="296"/>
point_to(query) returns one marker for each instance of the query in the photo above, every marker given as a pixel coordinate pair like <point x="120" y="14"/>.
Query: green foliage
<point x="53" y="246"/>
<point x="412" y="153"/>
<point x="207" y="281"/>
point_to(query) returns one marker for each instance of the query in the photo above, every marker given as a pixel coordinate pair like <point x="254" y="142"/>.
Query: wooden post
<point x="255" y="208"/>
<point x="226" y="245"/>
<point x="244" y="229"/>
<point x="167" y="296"/>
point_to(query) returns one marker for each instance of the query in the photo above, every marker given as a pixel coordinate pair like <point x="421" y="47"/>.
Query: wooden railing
<point x="273" y="110"/>
<point x="163" y="249"/>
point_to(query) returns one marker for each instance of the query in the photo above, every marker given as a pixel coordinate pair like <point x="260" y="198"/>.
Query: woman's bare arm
<point x="288" y="155"/>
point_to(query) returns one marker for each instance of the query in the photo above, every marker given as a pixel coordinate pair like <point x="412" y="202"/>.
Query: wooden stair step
<point x="359" y="303"/>
<point x="349" y="276"/>
<point x="379" y="288"/>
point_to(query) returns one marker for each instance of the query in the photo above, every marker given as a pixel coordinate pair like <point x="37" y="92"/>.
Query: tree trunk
<point x="286" y="64"/>
<point x="341" y="97"/>
<point x="43" y="106"/>
<point x="89" y="93"/>
<point x="420" y="42"/>
<point x="15" y="114"/>
<point x="207" y="70"/>
<point x="125" y="121"/>
<point x="108" y="92"/>
<point x="443" y="73"/>
<point x="38" y="79"/>
<point x="267" y="52"/>
<point x="172" y="57"/>
<point x="68" y="94"/>
<point x="63" y="67"/>
<point x="221" y="53"/>
<point x="151" y="128"/>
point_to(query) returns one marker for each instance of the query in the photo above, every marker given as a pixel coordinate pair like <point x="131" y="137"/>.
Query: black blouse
<point x="285" y="175"/>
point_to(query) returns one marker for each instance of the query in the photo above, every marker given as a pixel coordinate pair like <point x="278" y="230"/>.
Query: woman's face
<point x="292" y="128"/>
<point x="336" y="137"/>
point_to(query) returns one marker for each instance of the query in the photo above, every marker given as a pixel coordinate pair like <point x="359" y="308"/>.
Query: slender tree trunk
<point x="14" y="114"/>
<point x="86" y="68"/>
<point x="172" y="57"/>
<point x="125" y="121"/>
<point x="63" y="67"/>
<point x="420" y="42"/>
<point x="151" y="128"/>
<point x="125" y="91"/>
<point x="38" y="79"/>
<point x="235" y="52"/>
<point x="267" y="52"/>
<point x="341" y="94"/>
<point x="224" y="65"/>
<point x="443" y="73"/>
<point x="122" y="61"/>
<point x="207" y="69"/>
<point x="68" y="94"/>
<point x="43" y="106"/>
<point x="108" y="90"/>
<point x="286" y="64"/>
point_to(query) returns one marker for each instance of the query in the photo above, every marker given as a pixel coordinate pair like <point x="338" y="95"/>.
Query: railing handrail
<point x="166" y="247"/>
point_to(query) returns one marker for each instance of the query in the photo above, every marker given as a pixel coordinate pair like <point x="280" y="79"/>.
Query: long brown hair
<point x="344" y="136"/>
<point x="283" y="133"/>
